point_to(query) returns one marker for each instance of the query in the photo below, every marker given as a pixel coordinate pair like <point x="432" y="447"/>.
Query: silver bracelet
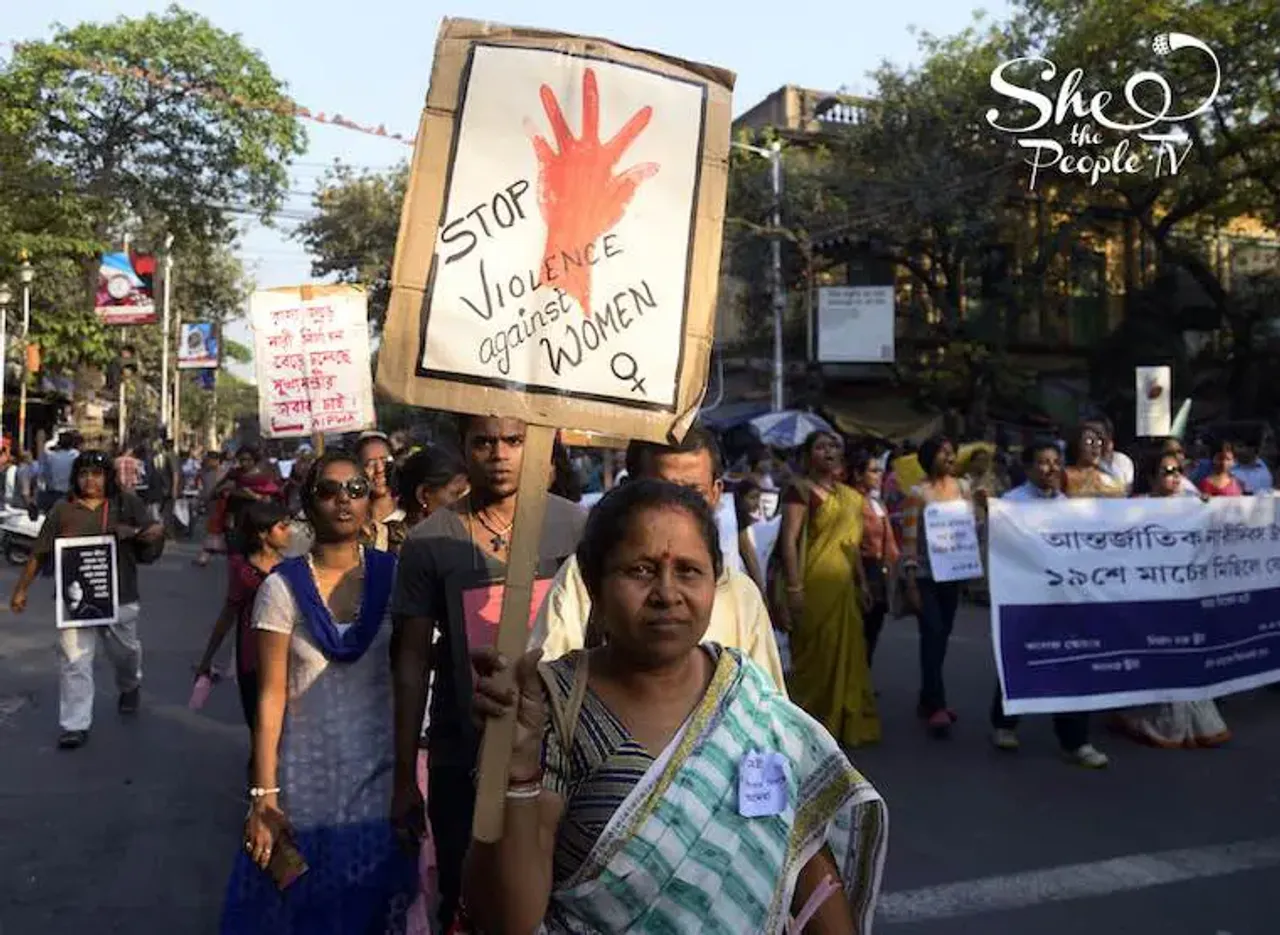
<point x="257" y="792"/>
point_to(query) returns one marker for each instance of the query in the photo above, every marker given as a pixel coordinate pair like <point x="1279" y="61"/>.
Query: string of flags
<point x="282" y="105"/>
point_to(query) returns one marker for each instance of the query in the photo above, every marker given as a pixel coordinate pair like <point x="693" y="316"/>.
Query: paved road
<point x="135" y="833"/>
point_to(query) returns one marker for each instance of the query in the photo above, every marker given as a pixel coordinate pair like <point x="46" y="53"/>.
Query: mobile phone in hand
<point x="287" y="863"/>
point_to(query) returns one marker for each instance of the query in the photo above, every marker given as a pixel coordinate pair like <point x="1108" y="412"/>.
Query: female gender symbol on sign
<point x="623" y="359"/>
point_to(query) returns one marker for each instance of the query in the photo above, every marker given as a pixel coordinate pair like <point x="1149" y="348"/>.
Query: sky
<point x="370" y="61"/>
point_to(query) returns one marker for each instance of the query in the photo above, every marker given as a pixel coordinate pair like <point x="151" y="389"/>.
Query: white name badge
<point x="762" y="784"/>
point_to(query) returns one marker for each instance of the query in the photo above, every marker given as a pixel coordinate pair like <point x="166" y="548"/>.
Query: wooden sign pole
<point x="513" y="626"/>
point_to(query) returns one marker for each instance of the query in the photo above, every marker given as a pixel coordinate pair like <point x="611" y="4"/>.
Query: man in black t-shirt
<point x="468" y="541"/>
<point x="96" y="507"/>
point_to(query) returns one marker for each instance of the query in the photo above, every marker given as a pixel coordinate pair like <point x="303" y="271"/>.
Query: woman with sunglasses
<point x="1084" y="475"/>
<point x="1173" y="448"/>
<point x="323" y="747"/>
<point x="1179" y="724"/>
<point x="373" y="453"/>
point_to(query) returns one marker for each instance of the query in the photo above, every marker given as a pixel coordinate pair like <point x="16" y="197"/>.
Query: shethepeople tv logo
<point x="1159" y="137"/>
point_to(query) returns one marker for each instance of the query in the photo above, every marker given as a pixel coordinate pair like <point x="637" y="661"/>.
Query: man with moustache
<point x="739" y="617"/>
<point x="1043" y="465"/>
<point x="471" y="538"/>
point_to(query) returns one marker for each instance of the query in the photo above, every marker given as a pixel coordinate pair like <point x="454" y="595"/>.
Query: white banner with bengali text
<point x="1100" y="603"/>
<point x="311" y="358"/>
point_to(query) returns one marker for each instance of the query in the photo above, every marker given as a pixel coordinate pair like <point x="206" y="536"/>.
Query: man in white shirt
<point x="739" y="617"/>
<point x="1043" y="465"/>
<point x="1116" y="463"/>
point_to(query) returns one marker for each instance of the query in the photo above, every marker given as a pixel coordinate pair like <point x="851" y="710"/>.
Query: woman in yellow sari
<point x="820" y="539"/>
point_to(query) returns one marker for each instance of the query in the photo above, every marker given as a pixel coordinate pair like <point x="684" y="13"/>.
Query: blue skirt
<point x="359" y="882"/>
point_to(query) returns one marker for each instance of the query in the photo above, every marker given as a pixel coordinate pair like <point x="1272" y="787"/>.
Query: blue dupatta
<point x="379" y="573"/>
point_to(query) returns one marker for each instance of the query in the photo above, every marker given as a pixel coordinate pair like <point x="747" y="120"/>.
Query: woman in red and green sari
<point x="659" y="784"/>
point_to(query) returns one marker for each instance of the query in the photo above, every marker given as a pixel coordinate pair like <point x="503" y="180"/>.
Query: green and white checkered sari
<point x="677" y="857"/>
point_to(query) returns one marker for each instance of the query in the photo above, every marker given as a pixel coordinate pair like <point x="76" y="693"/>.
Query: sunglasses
<point x="357" y="488"/>
<point x="1171" y="471"/>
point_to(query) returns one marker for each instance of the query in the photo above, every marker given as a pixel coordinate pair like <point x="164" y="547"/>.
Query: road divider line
<point x="1076" y="881"/>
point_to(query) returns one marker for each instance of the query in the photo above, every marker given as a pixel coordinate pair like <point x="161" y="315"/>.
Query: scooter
<point x="18" y="531"/>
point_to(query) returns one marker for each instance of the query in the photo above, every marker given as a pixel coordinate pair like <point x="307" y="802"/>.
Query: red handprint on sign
<point x="580" y="197"/>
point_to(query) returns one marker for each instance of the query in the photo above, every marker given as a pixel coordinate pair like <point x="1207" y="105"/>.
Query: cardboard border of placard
<point x="420" y="219"/>
<point x="575" y="438"/>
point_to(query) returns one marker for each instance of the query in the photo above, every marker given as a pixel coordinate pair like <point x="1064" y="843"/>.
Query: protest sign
<point x="197" y="346"/>
<point x="1101" y="603"/>
<point x="87" y="589"/>
<point x="559" y="247"/>
<point x="311" y="357"/>
<point x="1153" y="390"/>
<point x="557" y="262"/>
<point x="951" y="531"/>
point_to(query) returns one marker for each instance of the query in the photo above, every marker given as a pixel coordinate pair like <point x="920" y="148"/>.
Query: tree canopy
<point x="352" y="235"/>
<point x="166" y="116"/>
<point x="163" y="125"/>
<point x="923" y="183"/>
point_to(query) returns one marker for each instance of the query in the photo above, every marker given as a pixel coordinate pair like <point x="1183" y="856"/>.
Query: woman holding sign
<point x="826" y="596"/>
<point x="933" y="594"/>
<point x="322" y="753"/>
<point x="662" y="784"/>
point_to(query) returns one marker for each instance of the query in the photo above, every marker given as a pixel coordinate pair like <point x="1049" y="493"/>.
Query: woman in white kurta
<point x="323" y="749"/>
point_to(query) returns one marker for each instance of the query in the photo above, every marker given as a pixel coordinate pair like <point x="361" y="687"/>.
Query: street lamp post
<point x="164" y="340"/>
<point x="27" y="275"/>
<point x="779" y="297"/>
<point x="774" y="155"/>
<point x="6" y="297"/>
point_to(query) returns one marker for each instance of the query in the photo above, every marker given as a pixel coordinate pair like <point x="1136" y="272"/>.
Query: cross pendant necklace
<point x="498" y="539"/>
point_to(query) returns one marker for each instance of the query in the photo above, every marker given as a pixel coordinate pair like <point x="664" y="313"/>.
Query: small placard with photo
<point x="87" y="585"/>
